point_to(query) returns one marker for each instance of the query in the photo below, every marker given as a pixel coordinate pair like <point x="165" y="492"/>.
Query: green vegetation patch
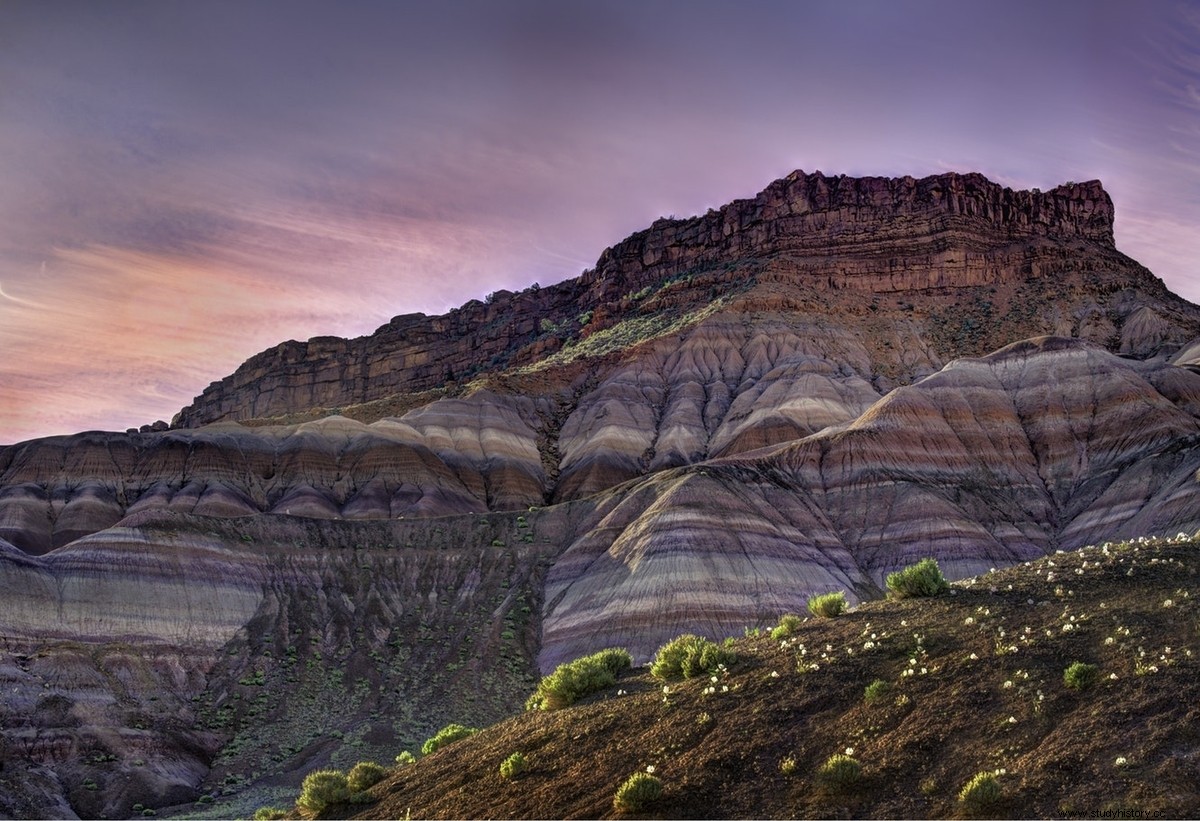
<point x="917" y="581"/>
<point x="513" y="766"/>
<point x="688" y="656"/>
<point x="828" y="605"/>
<point x="639" y="791"/>
<point x="1081" y="676"/>
<point x="840" y="772"/>
<point x="364" y="774"/>
<point x="575" y="679"/>
<point x="448" y="734"/>
<point x="981" y="792"/>
<point x="788" y="625"/>
<point x="321" y="789"/>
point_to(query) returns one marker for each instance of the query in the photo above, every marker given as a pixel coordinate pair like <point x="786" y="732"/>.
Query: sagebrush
<point x="918" y="580"/>
<point x="828" y="605"/>
<point x="321" y="789"/>
<point x="688" y="656"/>
<point x="446" y="735"/>
<point x="363" y="775"/>
<point x="513" y="766"/>
<point x="573" y="680"/>
<point x="638" y="791"/>
<point x="980" y="792"/>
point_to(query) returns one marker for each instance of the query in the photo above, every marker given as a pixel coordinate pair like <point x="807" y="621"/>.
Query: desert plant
<point x="365" y="774"/>
<point x="322" y="788"/>
<point x="980" y="792"/>
<point x="405" y="758"/>
<point x="828" y="605"/>
<point x="918" y="580"/>
<point x="788" y="765"/>
<point x="639" y="790"/>
<point x="787" y="626"/>
<point x="444" y="736"/>
<point x="573" y="680"/>
<point x="269" y="814"/>
<point x="840" y="772"/>
<point x="876" y="690"/>
<point x="1080" y="676"/>
<point x="688" y="656"/>
<point x="512" y="766"/>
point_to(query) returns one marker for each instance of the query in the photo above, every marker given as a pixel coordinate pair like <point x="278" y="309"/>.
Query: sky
<point x="184" y="184"/>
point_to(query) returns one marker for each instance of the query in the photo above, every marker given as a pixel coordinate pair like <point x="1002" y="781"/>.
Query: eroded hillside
<point x="727" y="415"/>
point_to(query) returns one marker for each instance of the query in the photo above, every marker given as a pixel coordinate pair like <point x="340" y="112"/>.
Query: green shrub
<point x="322" y="788"/>
<point x="449" y="733"/>
<point x="981" y="791"/>
<point x="365" y="774"/>
<point x="787" y="626"/>
<point x="828" y="605"/>
<point x="269" y="814"/>
<point x="840" y="772"/>
<point x="512" y="766"/>
<point x="918" y="580"/>
<point x="1080" y="676"/>
<point x="876" y="690"/>
<point x="689" y="656"/>
<point x="575" y="679"/>
<point x="639" y="790"/>
<point x="405" y="758"/>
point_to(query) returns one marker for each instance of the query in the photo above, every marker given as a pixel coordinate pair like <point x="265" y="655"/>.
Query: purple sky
<point x="183" y="184"/>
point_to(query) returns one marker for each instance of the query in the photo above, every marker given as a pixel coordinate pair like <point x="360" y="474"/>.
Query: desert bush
<point x="575" y="679"/>
<point x="322" y="788"/>
<point x="405" y="758"/>
<point x="512" y="766"/>
<point x="876" y="690"/>
<point x="444" y="736"/>
<point x="828" y="605"/>
<point x="269" y="814"/>
<point x="918" y="580"/>
<point x="365" y="774"/>
<point x="840" y="772"/>
<point x="688" y="656"/>
<point x="980" y="792"/>
<point x="787" y="626"/>
<point x="639" y="790"/>
<point x="788" y="765"/>
<point x="1080" y="676"/>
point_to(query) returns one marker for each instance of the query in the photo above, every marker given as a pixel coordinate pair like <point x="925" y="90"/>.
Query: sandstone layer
<point x="842" y="236"/>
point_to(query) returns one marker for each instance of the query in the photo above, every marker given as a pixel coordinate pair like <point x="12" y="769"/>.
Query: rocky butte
<point x="346" y="544"/>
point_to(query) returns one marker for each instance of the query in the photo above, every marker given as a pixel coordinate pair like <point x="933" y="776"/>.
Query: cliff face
<point x="807" y="231"/>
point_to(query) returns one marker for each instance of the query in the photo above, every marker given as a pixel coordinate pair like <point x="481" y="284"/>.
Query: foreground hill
<point x="973" y="681"/>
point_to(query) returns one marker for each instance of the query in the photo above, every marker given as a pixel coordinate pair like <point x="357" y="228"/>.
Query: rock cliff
<point x="910" y="242"/>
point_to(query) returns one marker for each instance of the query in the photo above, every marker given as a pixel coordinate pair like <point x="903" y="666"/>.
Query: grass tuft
<point x="917" y="581"/>
<point x="688" y="656"/>
<point x="446" y="735"/>
<point x="828" y="605"/>
<point x="638" y="791"/>
<point x="575" y="679"/>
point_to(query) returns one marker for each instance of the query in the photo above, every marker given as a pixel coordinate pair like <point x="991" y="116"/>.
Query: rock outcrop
<point x="908" y="240"/>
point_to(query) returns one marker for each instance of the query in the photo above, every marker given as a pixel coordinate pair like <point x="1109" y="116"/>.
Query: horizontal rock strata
<point x="807" y="231"/>
<point x="1046" y="445"/>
